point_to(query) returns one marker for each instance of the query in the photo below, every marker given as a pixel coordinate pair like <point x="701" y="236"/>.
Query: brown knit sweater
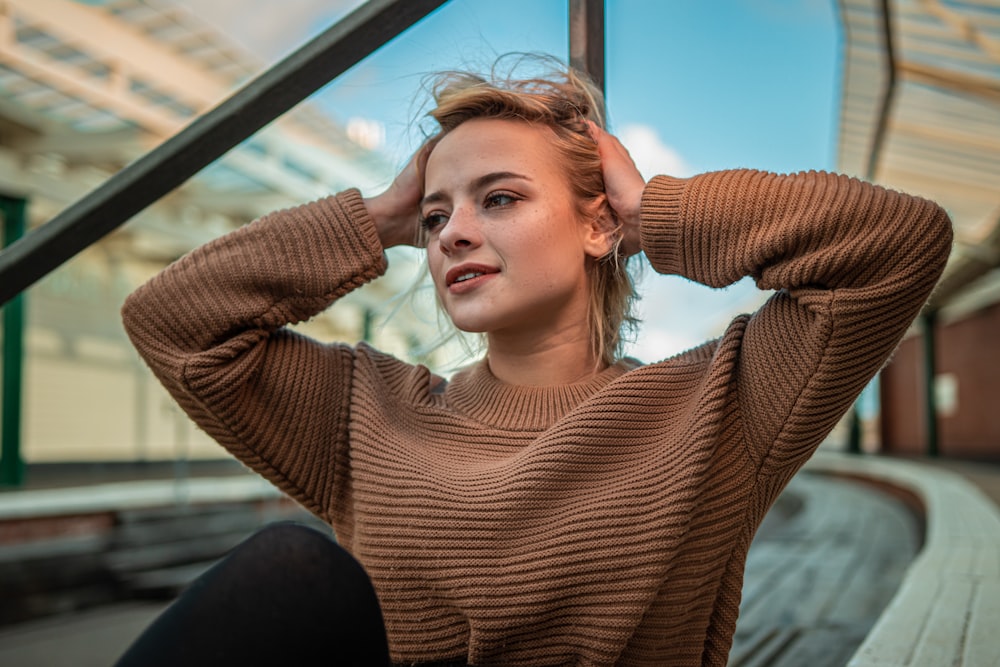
<point x="599" y="523"/>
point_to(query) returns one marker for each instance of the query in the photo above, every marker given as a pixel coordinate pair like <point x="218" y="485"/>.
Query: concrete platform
<point x="92" y="638"/>
<point x="796" y="603"/>
<point x="806" y="596"/>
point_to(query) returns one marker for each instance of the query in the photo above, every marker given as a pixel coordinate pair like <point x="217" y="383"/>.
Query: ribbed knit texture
<point x="600" y="523"/>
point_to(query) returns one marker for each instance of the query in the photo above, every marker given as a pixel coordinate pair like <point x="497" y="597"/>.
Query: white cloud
<point x="651" y="155"/>
<point x="678" y="314"/>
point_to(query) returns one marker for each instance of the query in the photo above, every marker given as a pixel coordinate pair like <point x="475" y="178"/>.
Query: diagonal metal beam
<point x="206" y="139"/>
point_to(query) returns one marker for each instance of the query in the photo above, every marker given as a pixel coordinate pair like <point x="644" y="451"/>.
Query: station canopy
<point x="920" y="112"/>
<point x="86" y="88"/>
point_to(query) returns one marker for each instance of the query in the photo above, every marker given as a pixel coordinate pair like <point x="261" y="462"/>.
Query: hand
<point x="397" y="210"/>
<point x="623" y="185"/>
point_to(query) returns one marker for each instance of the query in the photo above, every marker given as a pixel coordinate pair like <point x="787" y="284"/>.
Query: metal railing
<point x="29" y="258"/>
<point x="206" y="139"/>
<point x="236" y="119"/>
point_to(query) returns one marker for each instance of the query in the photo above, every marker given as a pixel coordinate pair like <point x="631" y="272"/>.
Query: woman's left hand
<point x="623" y="185"/>
<point x="396" y="210"/>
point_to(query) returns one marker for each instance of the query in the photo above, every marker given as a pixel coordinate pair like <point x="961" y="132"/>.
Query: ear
<point x="599" y="227"/>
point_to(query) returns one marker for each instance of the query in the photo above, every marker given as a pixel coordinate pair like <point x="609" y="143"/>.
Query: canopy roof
<point x="920" y="112"/>
<point x="86" y="88"/>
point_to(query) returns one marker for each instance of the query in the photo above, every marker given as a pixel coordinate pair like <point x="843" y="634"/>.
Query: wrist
<point x="385" y="224"/>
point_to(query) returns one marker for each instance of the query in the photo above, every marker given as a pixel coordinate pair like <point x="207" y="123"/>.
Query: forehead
<point x="493" y="145"/>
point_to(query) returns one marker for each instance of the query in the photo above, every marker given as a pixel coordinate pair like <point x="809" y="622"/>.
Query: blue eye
<point x="500" y="199"/>
<point x="433" y="220"/>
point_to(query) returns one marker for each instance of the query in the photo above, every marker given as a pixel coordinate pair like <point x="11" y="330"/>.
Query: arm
<point x="852" y="264"/>
<point x="211" y="327"/>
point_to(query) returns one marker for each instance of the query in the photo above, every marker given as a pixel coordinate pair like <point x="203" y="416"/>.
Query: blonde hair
<point x="561" y="100"/>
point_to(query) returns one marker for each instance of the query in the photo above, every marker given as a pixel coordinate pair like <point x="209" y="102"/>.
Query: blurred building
<point x="920" y="112"/>
<point x="85" y="88"/>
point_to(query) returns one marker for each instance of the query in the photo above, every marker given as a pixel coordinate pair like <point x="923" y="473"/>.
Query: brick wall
<point x="968" y="372"/>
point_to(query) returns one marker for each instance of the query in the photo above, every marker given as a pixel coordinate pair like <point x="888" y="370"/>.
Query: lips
<point x="467" y="273"/>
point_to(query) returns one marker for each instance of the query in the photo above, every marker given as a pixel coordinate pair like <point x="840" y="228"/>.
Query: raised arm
<point x="211" y="327"/>
<point x="851" y="263"/>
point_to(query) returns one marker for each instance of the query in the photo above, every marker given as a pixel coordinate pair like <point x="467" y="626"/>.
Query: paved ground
<point x="819" y="577"/>
<point x="807" y="596"/>
<point x="93" y="638"/>
<point x="816" y="579"/>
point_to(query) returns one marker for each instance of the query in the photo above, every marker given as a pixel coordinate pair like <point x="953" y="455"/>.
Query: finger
<point x="603" y="139"/>
<point x="610" y="147"/>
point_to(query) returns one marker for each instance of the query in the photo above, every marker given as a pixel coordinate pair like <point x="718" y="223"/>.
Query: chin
<point x="469" y="327"/>
<point x="472" y="321"/>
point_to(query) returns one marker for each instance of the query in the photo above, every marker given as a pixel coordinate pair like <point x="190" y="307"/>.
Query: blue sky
<point x="693" y="85"/>
<point x="725" y="83"/>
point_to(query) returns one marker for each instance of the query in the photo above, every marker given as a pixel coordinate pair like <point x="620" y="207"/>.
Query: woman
<point x="552" y="504"/>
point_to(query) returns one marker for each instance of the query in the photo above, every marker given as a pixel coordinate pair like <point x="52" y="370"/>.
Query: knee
<point x="295" y="558"/>
<point x="289" y="533"/>
<point x="291" y="544"/>
<point x="285" y="540"/>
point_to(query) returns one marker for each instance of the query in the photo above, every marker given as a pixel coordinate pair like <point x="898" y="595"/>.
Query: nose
<point x="461" y="232"/>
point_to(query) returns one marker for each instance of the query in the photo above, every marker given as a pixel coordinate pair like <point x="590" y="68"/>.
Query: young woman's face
<point x="507" y="247"/>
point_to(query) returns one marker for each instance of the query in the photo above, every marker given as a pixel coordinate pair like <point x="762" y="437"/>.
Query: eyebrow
<point x="476" y="184"/>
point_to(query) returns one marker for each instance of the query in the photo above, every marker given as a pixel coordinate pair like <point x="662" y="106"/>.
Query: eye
<point x="500" y="199"/>
<point x="433" y="220"/>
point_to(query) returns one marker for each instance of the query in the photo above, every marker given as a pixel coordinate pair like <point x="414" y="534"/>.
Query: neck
<point x="541" y="363"/>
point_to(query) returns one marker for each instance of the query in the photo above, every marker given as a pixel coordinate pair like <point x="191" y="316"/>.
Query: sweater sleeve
<point x="212" y="329"/>
<point x="851" y="264"/>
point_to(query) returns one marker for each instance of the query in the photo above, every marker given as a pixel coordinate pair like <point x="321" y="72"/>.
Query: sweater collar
<point x="477" y="393"/>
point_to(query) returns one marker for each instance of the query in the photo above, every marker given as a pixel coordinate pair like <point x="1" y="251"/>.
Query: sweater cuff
<point x="342" y="232"/>
<point x="660" y="232"/>
<point x="358" y="219"/>
<point x="346" y="215"/>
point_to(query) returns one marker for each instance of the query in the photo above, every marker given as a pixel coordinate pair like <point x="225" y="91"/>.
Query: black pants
<point x="286" y="596"/>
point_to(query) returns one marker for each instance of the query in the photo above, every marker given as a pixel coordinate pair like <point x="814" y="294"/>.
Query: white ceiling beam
<point x="949" y="135"/>
<point x="119" y="146"/>
<point x="957" y="82"/>
<point x="912" y="46"/>
<point x="96" y="92"/>
<point x="244" y="206"/>
<point x="120" y="46"/>
<point x="964" y="27"/>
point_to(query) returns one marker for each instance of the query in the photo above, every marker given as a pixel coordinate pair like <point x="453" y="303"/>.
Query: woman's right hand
<point x="397" y="210"/>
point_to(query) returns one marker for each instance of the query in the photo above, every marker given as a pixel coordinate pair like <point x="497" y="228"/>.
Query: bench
<point x="947" y="609"/>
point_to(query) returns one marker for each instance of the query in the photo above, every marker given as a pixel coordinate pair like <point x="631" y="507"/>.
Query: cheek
<point x="433" y="257"/>
<point x="433" y="265"/>
<point x="552" y="251"/>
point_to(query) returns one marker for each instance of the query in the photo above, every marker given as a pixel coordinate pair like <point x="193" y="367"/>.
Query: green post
<point x="11" y="465"/>
<point x="929" y="322"/>
<point x="367" y="325"/>
<point x="853" y="430"/>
